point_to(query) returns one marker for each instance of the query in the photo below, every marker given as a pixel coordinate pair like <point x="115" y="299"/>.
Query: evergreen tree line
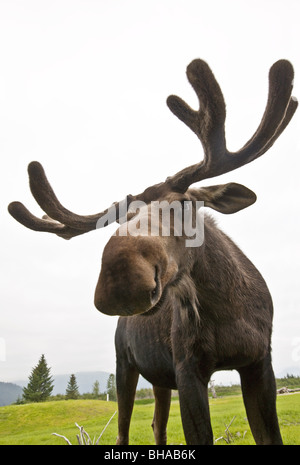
<point x="40" y="386"/>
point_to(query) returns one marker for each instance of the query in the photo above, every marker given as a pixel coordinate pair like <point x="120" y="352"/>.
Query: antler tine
<point x="278" y="113"/>
<point x="208" y="122"/>
<point x="58" y="219"/>
<point x="47" y="200"/>
<point x="23" y="216"/>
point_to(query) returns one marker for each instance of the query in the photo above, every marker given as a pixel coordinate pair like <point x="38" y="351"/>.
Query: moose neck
<point x="223" y="275"/>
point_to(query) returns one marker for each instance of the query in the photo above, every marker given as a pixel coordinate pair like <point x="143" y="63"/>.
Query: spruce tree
<point x="40" y="384"/>
<point x="111" y="387"/>
<point x="72" y="391"/>
<point x="96" y="390"/>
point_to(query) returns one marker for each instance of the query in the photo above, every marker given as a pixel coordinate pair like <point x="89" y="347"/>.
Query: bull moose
<point x="185" y="311"/>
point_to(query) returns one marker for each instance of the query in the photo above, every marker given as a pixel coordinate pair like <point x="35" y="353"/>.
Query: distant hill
<point x="85" y="382"/>
<point x="9" y="393"/>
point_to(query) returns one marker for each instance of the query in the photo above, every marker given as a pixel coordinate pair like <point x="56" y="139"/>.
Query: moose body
<point x="230" y="328"/>
<point x="175" y="346"/>
<point x="185" y="311"/>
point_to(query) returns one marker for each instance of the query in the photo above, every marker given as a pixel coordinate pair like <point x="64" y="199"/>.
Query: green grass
<point x="33" y="424"/>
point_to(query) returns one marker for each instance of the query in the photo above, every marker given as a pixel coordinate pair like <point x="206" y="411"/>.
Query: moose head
<point x="155" y="272"/>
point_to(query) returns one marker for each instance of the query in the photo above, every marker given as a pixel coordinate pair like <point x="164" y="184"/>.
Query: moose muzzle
<point x="133" y="275"/>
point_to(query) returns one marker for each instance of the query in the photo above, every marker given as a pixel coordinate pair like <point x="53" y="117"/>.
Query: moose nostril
<point x="155" y="293"/>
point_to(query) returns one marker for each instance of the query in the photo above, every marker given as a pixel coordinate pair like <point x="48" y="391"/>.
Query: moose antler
<point x="207" y="123"/>
<point x="58" y="219"/>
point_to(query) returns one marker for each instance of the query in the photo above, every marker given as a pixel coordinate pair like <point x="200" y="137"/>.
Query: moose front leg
<point x="194" y="406"/>
<point x="161" y="414"/>
<point x="126" y="380"/>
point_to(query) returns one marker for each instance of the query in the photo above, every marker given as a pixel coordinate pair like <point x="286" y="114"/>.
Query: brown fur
<point x="213" y="313"/>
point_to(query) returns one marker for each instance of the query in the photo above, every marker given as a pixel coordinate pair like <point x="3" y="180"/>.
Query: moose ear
<point x="225" y="198"/>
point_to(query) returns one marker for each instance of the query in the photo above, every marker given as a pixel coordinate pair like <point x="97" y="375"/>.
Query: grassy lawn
<point x="33" y="424"/>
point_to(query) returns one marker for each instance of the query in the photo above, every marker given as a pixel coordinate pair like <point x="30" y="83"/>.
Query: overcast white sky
<point x="83" y="86"/>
